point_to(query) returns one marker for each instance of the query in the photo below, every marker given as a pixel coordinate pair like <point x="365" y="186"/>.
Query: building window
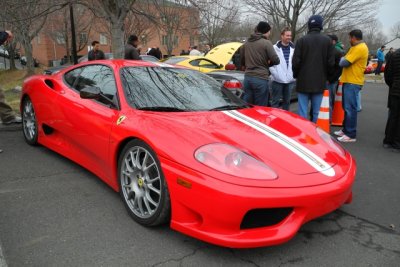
<point x="83" y="38"/>
<point x="144" y="39"/>
<point x="38" y="39"/>
<point x="191" y="41"/>
<point x="60" y="38"/>
<point x="103" y="39"/>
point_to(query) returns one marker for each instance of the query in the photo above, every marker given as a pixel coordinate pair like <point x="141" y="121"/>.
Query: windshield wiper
<point x="171" y="109"/>
<point x="228" y="107"/>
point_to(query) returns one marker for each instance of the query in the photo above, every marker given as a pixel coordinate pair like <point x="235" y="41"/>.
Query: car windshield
<point x="172" y="89"/>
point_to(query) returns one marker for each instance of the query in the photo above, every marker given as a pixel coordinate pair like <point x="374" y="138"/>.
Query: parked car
<point x="3" y="52"/>
<point x="233" y="80"/>
<point x="215" y="60"/>
<point x="180" y="150"/>
<point x="372" y="64"/>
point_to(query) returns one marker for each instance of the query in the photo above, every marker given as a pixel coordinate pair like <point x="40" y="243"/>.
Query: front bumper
<point x="212" y="210"/>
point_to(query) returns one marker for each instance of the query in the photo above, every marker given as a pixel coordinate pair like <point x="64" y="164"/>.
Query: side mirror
<point x="221" y="66"/>
<point x="90" y="92"/>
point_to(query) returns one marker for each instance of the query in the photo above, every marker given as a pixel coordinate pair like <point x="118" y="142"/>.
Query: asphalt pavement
<point x="55" y="213"/>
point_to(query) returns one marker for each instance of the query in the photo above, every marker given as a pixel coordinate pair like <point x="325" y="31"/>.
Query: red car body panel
<point x="213" y="206"/>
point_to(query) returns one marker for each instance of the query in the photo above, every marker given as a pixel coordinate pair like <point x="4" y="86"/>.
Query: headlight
<point x="331" y="142"/>
<point x="230" y="160"/>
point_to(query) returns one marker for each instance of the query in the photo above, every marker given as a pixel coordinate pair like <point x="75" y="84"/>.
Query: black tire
<point x="29" y="122"/>
<point x="136" y="187"/>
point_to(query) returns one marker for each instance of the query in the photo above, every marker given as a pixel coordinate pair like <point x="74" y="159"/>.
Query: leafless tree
<point x="217" y="18"/>
<point x="58" y="27"/>
<point x="373" y="35"/>
<point x="173" y="18"/>
<point x="27" y="19"/>
<point x="115" y="12"/>
<point x="395" y="30"/>
<point x="338" y="14"/>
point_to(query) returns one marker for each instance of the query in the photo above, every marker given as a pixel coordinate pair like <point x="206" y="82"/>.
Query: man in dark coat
<point x="95" y="53"/>
<point x="392" y="79"/>
<point x="132" y="49"/>
<point x="7" y="115"/>
<point x="257" y="55"/>
<point x="313" y="61"/>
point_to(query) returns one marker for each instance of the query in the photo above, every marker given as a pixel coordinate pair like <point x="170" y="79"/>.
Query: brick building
<point x="172" y="32"/>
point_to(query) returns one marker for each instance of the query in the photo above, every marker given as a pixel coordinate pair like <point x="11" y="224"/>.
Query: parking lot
<point x="55" y="213"/>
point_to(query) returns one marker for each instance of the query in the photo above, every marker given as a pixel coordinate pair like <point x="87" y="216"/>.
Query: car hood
<point x="222" y="54"/>
<point x="285" y="142"/>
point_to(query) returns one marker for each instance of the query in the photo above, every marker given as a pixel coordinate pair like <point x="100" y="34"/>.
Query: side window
<point x="195" y="62"/>
<point x="207" y="64"/>
<point x="71" y="76"/>
<point x="98" y="76"/>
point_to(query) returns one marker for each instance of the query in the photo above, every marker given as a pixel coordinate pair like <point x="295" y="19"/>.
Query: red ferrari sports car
<point x="182" y="150"/>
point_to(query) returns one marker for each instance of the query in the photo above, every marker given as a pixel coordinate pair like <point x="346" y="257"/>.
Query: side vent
<point x="49" y="83"/>
<point x="47" y="129"/>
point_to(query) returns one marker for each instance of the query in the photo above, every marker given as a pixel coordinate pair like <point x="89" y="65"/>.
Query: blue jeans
<point x="281" y="91"/>
<point x="256" y="91"/>
<point x="359" y="108"/>
<point x="332" y="93"/>
<point x="304" y="98"/>
<point x="378" y="68"/>
<point x="349" y="102"/>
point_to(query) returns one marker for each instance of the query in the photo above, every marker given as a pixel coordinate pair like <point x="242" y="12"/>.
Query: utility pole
<point x="71" y="15"/>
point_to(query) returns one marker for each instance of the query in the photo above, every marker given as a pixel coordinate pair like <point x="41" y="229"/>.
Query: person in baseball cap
<point x="315" y="21"/>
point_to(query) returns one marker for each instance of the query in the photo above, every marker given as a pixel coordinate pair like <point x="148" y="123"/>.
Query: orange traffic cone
<point x="323" y="115"/>
<point x="338" y="112"/>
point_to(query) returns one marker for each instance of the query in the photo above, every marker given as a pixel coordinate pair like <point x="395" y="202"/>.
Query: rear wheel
<point x="29" y="122"/>
<point x="142" y="184"/>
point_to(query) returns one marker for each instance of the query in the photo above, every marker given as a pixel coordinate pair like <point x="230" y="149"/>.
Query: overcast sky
<point x="389" y="14"/>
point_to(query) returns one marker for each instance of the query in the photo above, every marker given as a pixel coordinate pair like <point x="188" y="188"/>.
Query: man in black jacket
<point x="95" y="53"/>
<point x="313" y="61"/>
<point x="392" y="79"/>
<point x="132" y="51"/>
<point x="7" y="115"/>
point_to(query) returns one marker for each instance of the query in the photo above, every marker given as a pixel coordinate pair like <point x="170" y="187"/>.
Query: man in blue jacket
<point x="381" y="59"/>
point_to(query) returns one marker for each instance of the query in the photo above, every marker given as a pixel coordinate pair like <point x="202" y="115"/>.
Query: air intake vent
<point x="264" y="217"/>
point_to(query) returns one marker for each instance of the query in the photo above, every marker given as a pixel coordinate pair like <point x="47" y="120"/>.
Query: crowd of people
<point x="315" y="63"/>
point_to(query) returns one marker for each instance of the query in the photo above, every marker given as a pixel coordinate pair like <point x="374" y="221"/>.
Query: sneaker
<point x="339" y="133"/>
<point x="16" y="119"/>
<point x="387" y="145"/>
<point x="346" y="139"/>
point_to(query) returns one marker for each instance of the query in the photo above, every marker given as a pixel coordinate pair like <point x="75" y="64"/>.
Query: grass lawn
<point x="9" y="79"/>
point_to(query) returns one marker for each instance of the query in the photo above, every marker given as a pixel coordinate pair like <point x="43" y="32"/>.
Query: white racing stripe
<point x="301" y="151"/>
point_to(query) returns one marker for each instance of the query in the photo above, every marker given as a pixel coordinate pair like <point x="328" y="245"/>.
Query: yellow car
<point x="216" y="59"/>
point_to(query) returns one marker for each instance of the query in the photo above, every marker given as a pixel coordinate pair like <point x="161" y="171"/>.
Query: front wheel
<point x="29" y="122"/>
<point x="142" y="184"/>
